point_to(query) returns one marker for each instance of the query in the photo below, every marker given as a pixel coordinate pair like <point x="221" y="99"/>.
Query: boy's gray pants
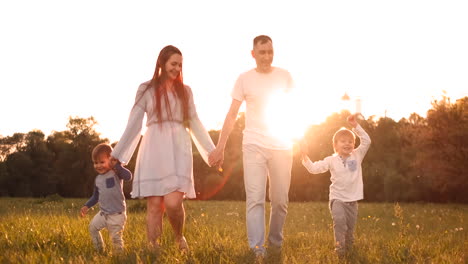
<point x="344" y="215"/>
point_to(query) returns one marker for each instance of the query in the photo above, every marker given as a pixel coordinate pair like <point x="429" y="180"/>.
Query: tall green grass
<point x="50" y="231"/>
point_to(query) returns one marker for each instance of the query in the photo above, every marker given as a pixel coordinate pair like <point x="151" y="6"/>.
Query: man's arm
<point x="217" y="156"/>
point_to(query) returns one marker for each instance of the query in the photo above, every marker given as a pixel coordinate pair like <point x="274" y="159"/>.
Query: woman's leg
<point x="173" y="203"/>
<point x="154" y="218"/>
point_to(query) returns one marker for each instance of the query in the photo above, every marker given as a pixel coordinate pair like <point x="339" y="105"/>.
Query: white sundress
<point x="164" y="163"/>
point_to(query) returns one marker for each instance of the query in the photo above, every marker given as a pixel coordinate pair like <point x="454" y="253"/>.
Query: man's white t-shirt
<point x="256" y="89"/>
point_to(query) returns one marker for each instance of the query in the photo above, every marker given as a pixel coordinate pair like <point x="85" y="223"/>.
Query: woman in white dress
<point x="164" y="165"/>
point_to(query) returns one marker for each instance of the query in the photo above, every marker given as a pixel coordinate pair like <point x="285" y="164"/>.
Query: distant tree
<point x="8" y="146"/>
<point x="73" y="165"/>
<point x="414" y="159"/>
<point x="11" y="144"/>
<point x="4" y="178"/>
<point x="28" y="167"/>
<point x="228" y="184"/>
<point x="42" y="158"/>
<point x="384" y="158"/>
<point x="411" y="132"/>
<point x="20" y="167"/>
<point x="442" y="159"/>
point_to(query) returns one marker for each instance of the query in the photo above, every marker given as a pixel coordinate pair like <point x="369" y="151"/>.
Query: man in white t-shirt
<point x="264" y="156"/>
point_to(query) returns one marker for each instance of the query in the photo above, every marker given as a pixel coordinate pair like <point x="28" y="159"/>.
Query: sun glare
<point x="290" y="114"/>
<point x="286" y="116"/>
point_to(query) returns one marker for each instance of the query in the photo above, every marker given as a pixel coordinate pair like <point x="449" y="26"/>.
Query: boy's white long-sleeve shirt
<point x="346" y="174"/>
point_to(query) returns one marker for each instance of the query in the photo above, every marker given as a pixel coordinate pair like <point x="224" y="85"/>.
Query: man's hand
<point x="84" y="210"/>
<point x="216" y="157"/>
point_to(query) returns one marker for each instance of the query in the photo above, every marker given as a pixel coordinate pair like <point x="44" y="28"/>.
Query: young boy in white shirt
<point x="109" y="194"/>
<point x="346" y="180"/>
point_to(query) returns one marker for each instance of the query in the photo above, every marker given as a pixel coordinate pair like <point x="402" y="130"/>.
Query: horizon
<point x="62" y="59"/>
<point x="350" y="106"/>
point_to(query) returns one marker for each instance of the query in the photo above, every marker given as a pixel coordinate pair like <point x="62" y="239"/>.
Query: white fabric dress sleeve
<point x="127" y="144"/>
<point x="200" y="136"/>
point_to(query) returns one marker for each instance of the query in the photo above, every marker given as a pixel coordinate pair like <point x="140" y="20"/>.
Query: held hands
<point x="84" y="211"/>
<point x="114" y="161"/>
<point x="216" y="157"/>
<point x="352" y="120"/>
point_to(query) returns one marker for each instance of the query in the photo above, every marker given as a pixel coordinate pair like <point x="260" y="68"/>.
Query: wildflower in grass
<point x="393" y="224"/>
<point x="417" y="227"/>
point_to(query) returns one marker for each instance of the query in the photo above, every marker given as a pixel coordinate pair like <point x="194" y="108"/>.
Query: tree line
<point x="414" y="159"/>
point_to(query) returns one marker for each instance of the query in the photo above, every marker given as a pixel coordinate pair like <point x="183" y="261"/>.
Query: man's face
<point x="263" y="55"/>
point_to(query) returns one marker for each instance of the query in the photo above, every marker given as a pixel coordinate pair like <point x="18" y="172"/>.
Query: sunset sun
<point x="290" y="114"/>
<point x="286" y="116"/>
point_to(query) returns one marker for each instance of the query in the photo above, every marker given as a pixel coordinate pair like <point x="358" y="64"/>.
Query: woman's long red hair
<point x="160" y="92"/>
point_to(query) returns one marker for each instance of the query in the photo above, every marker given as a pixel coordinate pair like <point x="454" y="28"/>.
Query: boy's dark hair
<point x="100" y="149"/>
<point x="262" y="39"/>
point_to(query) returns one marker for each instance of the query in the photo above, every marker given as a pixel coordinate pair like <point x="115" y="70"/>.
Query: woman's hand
<point x="216" y="157"/>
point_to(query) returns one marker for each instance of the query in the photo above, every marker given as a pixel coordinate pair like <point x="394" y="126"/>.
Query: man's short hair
<point x="261" y="39"/>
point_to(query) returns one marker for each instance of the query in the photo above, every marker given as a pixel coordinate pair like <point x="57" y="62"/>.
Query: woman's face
<point x="173" y="66"/>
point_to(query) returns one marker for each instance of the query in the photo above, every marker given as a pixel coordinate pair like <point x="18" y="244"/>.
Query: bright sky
<point x="86" y="58"/>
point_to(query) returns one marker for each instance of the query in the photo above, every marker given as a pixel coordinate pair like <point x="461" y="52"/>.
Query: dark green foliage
<point x="59" y="165"/>
<point x="229" y="183"/>
<point x="414" y="159"/>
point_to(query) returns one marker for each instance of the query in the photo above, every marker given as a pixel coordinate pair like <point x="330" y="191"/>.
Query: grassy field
<point x="49" y="230"/>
